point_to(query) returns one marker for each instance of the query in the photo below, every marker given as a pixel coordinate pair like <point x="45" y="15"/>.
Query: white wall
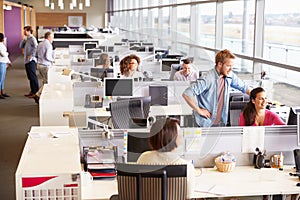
<point x="94" y="14"/>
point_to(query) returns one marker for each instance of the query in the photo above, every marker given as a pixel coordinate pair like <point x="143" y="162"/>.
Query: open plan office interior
<point x="91" y="118"/>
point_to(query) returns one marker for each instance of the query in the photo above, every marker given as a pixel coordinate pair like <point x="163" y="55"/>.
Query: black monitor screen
<point x="137" y="143"/>
<point x="93" y="53"/>
<point x="103" y="48"/>
<point x="166" y="64"/>
<point x="110" y="48"/>
<point x="118" y="87"/>
<point x="90" y="45"/>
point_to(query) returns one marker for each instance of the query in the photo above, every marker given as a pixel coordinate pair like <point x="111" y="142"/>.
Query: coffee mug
<point x="275" y="161"/>
<point x="86" y="178"/>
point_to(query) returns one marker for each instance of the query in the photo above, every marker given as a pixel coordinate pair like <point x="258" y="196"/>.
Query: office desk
<point x="173" y="109"/>
<point x="243" y="181"/>
<point x="49" y="164"/>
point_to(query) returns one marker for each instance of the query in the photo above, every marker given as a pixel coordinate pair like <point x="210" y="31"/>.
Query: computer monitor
<point x="292" y="120"/>
<point x="103" y="48"/>
<point x="93" y="53"/>
<point x="110" y="48"/>
<point x="161" y="53"/>
<point x="89" y="45"/>
<point x="118" y="87"/>
<point x="137" y="143"/>
<point x="147" y="44"/>
<point x="167" y="63"/>
<point x="174" y="56"/>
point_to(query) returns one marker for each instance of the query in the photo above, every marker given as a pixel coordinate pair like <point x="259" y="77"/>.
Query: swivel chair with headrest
<point x="148" y="182"/>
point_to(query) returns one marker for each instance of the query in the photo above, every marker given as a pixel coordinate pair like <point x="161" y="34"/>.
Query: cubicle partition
<point x="203" y="145"/>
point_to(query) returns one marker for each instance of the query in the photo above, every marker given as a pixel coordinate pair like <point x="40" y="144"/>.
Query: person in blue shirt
<point x="212" y="92"/>
<point x="45" y="58"/>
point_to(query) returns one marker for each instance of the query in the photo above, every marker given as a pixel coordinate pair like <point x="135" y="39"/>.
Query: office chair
<point x="235" y="109"/>
<point x="123" y="111"/>
<point x="174" y="69"/>
<point x="148" y="182"/>
<point x="146" y="102"/>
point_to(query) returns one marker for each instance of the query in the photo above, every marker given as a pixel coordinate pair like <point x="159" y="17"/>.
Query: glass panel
<point x="238" y="29"/>
<point x="282" y="31"/>
<point x="153" y="3"/>
<point x="183" y="20"/>
<point x="145" y="18"/>
<point x="282" y="82"/>
<point x="166" y="18"/>
<point x="183" y="1"/>
<point x="165" y="2"/>
<point x="155" y="17"/>
<point x="206" y="28"/>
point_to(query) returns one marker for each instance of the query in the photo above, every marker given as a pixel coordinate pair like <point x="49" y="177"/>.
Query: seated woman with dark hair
<point x="165" y="137"/>
<point x="129" y="66"/>
<point x="255" y="112"/>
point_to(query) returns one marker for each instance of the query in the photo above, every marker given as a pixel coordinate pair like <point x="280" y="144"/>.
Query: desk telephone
<point x="94" y="101"/>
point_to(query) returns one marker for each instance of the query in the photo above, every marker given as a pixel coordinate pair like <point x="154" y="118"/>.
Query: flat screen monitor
<point x="147" y="44"/>
<point x="161" y="53"/>
<point x="103" y="48"/>
<point x="89" y="45"/>
<point x="118" y="87"/>
<point x="110" y="49"/>
<point x="174" y="56"/>
<point x="167" y="63"/>
<point x="93" y="53"/>
<point x="137" y="143"/>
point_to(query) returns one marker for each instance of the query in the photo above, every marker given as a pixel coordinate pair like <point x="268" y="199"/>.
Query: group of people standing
<point x="37" y="56"/>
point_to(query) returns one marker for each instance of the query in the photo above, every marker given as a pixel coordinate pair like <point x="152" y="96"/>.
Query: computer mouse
<point x="298" y="184"/>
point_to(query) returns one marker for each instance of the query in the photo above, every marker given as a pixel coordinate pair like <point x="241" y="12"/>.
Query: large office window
<point x="206" y="27"/>
<point x="183" y="20"/>
<point x="282" y="31"/>
<point x="238" y="29"/>
<point x="263" y="34"/>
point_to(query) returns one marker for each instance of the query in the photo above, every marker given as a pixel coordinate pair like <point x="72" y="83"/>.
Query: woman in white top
<point x="4" y="63"/>
<point x="165" y="137"/>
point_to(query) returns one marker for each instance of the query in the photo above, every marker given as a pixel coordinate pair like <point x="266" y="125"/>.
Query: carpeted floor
<point x="18" y="114"/>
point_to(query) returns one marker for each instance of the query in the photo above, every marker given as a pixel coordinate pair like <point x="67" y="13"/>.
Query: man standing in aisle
<point x="29" y="44"/>
<point x="45" y="59"/>
<point x="212" y="92"/>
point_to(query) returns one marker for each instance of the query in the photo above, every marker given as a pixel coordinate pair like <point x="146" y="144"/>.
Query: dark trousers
<point x="32" y="77"/>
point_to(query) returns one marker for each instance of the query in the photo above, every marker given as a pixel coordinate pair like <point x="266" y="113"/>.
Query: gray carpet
<point x="18" y="114"/>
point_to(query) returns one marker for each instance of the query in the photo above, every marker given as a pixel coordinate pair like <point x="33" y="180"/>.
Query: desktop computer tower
<point x="159" y="94"/>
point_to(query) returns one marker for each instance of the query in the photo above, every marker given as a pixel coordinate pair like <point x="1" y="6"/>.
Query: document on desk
<point x="215" y="189"/>
<point x="253" y="137"/>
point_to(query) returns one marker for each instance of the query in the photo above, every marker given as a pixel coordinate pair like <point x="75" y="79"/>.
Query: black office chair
<point x="235" y="109"/>
<point x="123" y="111"/>
<point x="148" y="182"/>
<point x="146" y="102"/>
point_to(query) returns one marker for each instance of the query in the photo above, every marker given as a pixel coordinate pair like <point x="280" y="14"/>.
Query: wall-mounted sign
<point x="75" y="21"/>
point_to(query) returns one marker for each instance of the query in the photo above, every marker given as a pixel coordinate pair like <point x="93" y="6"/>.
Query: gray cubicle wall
<point x="81" y="89"/>
<point x="216" y="140"/>
<point x="175" y="89"/>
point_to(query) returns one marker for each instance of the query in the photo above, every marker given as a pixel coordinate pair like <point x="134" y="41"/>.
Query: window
<point x="282" y="30"/>
<point x="238" y="29"/>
